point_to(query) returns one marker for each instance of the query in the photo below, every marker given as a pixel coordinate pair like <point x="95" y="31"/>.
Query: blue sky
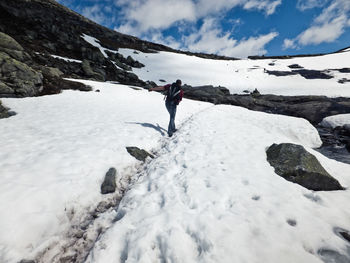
<point x="237" y="28"/>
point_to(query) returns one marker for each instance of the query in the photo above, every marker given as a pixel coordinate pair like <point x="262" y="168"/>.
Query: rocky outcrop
<point x="312" y="108"/>
<point x="109" y="184"/>
<point x="295" y="164"/>
<point x="138" y="153"/>
<point x="4" y="112"/>
<point x="17" y="79"/>
<point x="306" y="73"/>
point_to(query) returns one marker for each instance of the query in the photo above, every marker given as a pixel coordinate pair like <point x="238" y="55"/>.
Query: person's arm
<point x="157" y="88"/>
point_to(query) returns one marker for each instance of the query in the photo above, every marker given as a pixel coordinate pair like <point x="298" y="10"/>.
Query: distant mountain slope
<point x="47" y="34"/>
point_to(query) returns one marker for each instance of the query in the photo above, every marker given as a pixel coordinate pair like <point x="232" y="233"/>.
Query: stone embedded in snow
<point x="295" y="164"/>
<point x="109" y="185"/>
<point x="139" y="154"/>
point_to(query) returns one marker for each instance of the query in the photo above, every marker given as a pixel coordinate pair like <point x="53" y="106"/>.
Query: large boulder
<point x="17" y="78"/>
<point x="295" y="164"/>
<point x="11" y="47"/>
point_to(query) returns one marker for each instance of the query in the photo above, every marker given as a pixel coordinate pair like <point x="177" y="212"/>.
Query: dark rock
<point x="332" y="256"/>
<point x="18" y="78"/>
<point x="56" y="85"/>
<point x="255" y="93"/>
<point x="138" y="153"/>
<point x="306" y="73"/>
<point x="344" y="70"/>
<point x="345" y="235"/>
<point x="295" y="164"/>
<point x="313" y="74"/>
<point x="295" y="66"/>
<point x="281" y="73"/>
<point x="343" y="80"/>
<point x="109" y="184"/>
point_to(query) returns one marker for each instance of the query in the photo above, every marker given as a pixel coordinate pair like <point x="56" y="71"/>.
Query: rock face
<point x="312" y="108"/>
<point x="4" y="112"/>
<point x="16" y="77"/>
<point x="295" y="164"/>
<point x="109" y="185"/>
<point x="138" y="153"/>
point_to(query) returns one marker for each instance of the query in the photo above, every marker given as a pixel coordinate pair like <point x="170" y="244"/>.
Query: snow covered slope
<point x="246" y="74"/>
<point x="209" y="195"/>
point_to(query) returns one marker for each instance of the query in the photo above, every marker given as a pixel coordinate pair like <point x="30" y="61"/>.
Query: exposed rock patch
<point x="295" y="164"/>
<point x="138" y="153"/>
<point x="109" y="184"/>
<point x="312" y="108"/>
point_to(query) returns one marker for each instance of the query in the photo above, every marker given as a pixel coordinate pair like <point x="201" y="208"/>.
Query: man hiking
<point x="174" y="94"/>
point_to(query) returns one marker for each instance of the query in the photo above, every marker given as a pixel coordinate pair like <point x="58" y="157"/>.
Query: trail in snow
<point x="211" y="196"/>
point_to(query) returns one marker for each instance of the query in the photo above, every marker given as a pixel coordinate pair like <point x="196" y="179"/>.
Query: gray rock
<point x="19" y="77"/>
<point x="51" y="72"/>
<point x="138" y="153"/>
<point x="109" y="185"/>
<point x="295" y="164"/>
<point x="8" y="42"/>
<point x="11" y="47"/>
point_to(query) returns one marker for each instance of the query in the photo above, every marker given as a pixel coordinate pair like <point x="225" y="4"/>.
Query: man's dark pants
<point x="171" y="107"/>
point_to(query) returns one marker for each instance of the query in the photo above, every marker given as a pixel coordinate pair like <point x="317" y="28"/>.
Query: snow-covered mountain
<point x="208" y="195"/>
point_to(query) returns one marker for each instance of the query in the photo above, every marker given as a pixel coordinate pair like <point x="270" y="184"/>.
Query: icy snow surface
<point x="208" y="196"/>
<point x="67" y="59"/>
<point x="246" y="74"/>
<point x="336" y="120"/>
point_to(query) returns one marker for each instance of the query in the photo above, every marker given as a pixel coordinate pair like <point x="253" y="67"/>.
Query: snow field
<point x="211" y="196"/>
<point x="56" y="151"/>
<point x="245" y="74"/>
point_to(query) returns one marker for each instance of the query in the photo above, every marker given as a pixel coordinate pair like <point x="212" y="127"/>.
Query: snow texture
<point x="336" y="120"/>
<point x="209" y="195"/>
<point x="246" y="74"/>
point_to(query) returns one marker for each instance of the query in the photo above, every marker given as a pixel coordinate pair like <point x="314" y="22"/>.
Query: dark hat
<point x="178" y="82"/>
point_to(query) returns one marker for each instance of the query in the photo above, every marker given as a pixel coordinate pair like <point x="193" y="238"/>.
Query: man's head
<point x="178" y="82"/>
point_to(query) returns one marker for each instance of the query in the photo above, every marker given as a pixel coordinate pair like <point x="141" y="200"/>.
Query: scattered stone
<point x="109" y="184"/>
<point x="271" y="64"/>
<point x="292" y="222"/>
<point x="345" y="235"/>
<point x="255" y="93"/>
<point x="343" y="80"/>
<point x="295" y="66"/>
<point x="138" y="153"/>
<point x="97" y="90"/>
<point x="256" y="198"/>
<point x="162" y="80"/>
<point x="329" y="255"/>
<point x="295" y="164"/>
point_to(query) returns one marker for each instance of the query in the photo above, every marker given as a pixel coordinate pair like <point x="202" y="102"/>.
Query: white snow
<point x="209" y="196"/>
<point x="336" y="120"/>
<point x="67" y="59"/>
<point x="246" y="74"/>
<point x="96" y="43"/>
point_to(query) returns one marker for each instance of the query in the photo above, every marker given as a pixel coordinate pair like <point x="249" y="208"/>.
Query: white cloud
<point x="326" y="32"/>
<point x="288" y="43"/>
<point x="95" y="13"/>
<point x="308" y="4"/>
<point x="327" y="27"/>
<point x="211" y="39"/>
<point x="143" y="15"/>
<point x="268" y="6"/>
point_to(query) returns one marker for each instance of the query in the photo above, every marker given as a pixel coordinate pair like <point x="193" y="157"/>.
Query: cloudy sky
<point x="237" y="28"/>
